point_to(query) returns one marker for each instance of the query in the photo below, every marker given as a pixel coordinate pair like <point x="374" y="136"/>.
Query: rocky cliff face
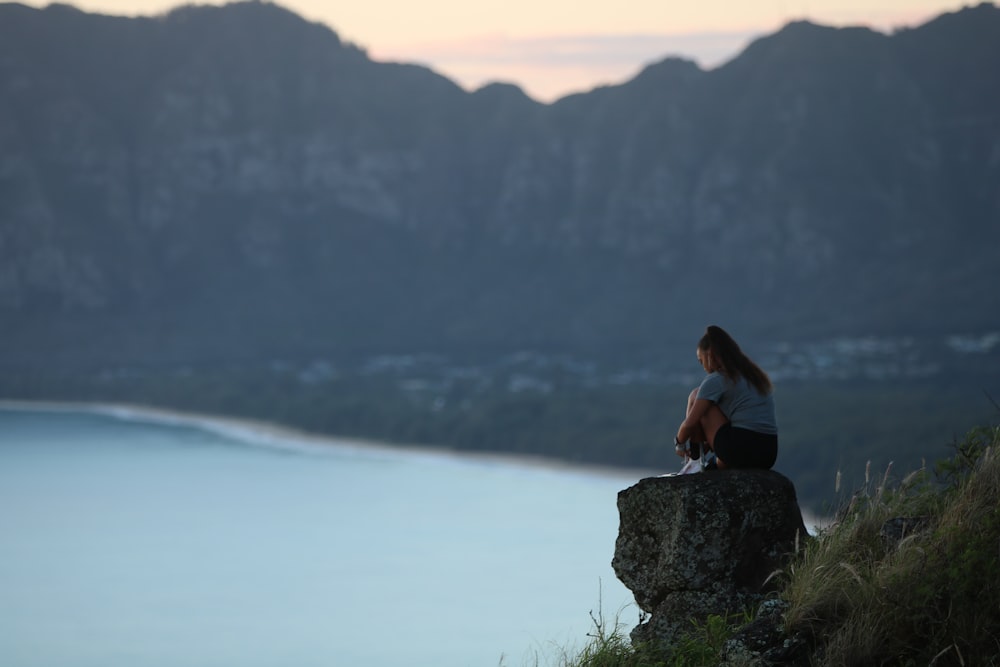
<point x="235" y="174"/>
<point x="691" y="546"/>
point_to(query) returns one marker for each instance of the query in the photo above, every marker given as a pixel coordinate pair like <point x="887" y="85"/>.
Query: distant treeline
<point x="826" y="427"/>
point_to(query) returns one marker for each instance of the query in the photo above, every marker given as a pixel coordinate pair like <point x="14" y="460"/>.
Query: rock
<point x="763" y="642"/>
<point x="692" y="546"/>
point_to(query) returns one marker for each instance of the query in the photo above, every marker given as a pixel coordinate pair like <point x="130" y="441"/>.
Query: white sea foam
<point x="249" y="432"/>
<point x="280" y="438"/>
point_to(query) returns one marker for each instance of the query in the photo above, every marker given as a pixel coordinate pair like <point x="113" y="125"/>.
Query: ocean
<point x="133" y="538"/>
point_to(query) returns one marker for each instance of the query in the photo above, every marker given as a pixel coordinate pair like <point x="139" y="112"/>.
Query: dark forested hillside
<point x="239" y="180"/>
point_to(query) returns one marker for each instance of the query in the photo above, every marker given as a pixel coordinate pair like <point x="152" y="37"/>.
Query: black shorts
<point x="743" y="448"/>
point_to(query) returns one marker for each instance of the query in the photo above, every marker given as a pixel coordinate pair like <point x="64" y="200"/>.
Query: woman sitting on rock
<point x="732" y="412"/>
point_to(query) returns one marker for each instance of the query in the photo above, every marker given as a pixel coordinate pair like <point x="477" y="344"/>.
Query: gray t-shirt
<point x="740" y="402"/>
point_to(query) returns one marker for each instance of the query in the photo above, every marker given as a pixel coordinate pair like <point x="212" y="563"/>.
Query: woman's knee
<point x="712" y="421"/>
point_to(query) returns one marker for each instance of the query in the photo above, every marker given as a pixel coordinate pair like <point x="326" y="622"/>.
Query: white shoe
<point x="690" y="466"/>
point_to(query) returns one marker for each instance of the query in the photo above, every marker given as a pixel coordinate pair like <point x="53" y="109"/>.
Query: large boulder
<point x="691" y="546"/>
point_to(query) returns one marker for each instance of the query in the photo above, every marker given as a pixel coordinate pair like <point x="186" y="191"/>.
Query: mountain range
<point x="235" y="182"/>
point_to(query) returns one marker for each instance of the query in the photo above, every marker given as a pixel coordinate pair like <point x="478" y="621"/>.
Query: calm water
<point x="131" y="543"/>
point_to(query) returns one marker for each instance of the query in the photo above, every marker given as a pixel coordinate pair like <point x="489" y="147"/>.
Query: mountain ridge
<point x="238" y="178"/>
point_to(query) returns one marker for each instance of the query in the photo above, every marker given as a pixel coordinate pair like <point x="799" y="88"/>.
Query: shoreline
<point x="270" y="434"/>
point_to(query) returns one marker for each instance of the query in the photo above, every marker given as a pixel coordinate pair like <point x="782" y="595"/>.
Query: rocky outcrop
<point x="691" y="546"/>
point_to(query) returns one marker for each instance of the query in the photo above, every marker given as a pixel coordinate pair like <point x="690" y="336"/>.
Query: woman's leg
<point x="697" y="433"/>
<point x="708" y="425"/>
<point x="711" y="422"/>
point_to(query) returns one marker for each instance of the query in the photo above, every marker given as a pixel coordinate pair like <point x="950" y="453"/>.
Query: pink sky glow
<point x="552" y="48"/>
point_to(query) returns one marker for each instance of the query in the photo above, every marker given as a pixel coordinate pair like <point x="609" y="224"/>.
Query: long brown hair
<point x="734" y="364"/>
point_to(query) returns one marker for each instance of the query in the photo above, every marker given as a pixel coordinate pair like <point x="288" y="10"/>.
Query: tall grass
<point x="928" y="597"/>
<point x="610" y="647"/>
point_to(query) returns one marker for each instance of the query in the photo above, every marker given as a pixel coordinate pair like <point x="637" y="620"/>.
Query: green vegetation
<point x="608" y="646"/>
<point x="907" y="575"/>
<point x="825" y="425"/>
<point x="931" y="596"/>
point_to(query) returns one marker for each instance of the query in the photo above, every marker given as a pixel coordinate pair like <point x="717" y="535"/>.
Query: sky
<point x="552" y="48"/>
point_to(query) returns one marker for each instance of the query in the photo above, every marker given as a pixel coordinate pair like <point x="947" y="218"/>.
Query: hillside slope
<point x="235" y="182"/>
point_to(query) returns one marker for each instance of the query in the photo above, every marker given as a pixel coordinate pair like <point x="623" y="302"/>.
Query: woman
<point x="733" y="409"/>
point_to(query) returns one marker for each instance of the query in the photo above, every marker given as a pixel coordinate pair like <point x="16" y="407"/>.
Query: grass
<point x="931" y="597"/>
<point x="928" y="596"/>
<point x="609" y="646"/>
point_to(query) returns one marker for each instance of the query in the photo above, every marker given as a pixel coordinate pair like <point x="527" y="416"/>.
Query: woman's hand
<point x="682" y="449"/>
